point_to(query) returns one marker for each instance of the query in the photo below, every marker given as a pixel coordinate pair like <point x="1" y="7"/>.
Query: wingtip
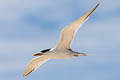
<point x="96" y="6"/>
<point x="23" y="75"/>
<point x="27" y="73"/>
<point x="98" y="3"/>
<point x="92" y="10"/>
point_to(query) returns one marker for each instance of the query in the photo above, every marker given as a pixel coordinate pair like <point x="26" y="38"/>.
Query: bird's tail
<point x="37" y="54"/>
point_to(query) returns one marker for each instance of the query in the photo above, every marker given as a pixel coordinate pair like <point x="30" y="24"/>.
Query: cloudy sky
<point x="28" y="26"/>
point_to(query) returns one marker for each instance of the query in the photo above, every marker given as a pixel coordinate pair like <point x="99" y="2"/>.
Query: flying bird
<point x="62" y="49"/>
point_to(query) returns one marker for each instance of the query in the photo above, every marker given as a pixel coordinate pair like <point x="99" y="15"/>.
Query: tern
<point x="62" y="49"/>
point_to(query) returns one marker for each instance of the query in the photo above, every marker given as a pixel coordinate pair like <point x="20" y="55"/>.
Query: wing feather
<point x="67" y="34"/>
<point x="34" y="64"/>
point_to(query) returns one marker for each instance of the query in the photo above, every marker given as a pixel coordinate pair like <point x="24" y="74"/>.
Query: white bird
<point x="62" y="50"/>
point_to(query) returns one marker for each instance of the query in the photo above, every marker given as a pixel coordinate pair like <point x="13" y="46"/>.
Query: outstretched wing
<point x="68" y="32"/>
<point x="34" y="64"/>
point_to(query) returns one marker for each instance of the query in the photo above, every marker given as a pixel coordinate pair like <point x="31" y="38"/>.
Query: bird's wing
<point x="67" y="34"/>
<point x="34" y="64"/>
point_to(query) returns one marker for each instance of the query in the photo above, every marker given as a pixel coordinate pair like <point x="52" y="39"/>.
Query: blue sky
<point x="28" y="26"/>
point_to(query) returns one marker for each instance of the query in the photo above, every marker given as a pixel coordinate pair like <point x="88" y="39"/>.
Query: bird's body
<point x="62" y="49"/>
<point x="61" y="54"/>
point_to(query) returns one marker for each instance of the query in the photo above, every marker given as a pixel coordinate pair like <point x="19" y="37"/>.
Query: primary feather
<point x="34" y="64"/>
<point x="68" y="32"/>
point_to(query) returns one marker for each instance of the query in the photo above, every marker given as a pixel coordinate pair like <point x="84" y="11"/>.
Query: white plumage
<point x="62" y="50"/>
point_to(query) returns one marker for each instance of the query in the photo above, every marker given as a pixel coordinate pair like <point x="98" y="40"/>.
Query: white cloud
<point x="13" y="10"/>
<point x="19" y="39"/>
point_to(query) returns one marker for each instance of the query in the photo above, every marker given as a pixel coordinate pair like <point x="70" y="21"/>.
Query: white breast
<point x="59" y="54"/>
